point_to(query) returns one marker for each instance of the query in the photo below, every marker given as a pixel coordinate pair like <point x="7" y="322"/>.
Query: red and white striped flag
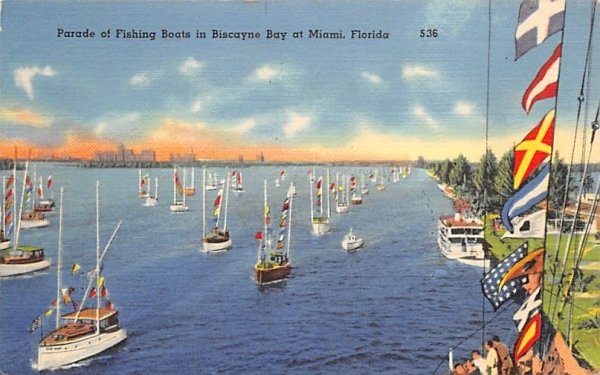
<point x="545" y="83"/>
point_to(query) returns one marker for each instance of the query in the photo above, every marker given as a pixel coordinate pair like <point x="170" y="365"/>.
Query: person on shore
<point x="478" y="361"/>
<point x="504" y="358"/>
<point x="491" y="359"/>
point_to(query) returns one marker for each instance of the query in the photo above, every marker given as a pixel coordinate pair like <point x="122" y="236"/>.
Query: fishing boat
<point x="217" y="239"/>
<point x="237" y="185"/>
<point x="178" y="205"/>
<point x="341" y="196"/>
<point x="351" y="241"/>
<point x="143" y="188"/>
<point x="321" y="223"/>
<point x="22" y="259"/>
<point x="87" y="331"/>
<point x="461" y="239"/>
<point x="152" y="200"/>
<point x="45" y="204"/>
<point x="191" y="189"/>
<point x="273" y="264"/>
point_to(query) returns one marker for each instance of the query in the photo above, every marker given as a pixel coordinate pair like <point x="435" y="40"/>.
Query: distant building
<point x="183" y="158"/>
<point x="125" y="155"/>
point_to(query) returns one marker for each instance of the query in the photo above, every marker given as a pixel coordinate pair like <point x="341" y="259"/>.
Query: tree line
<point x="487" y="185"/>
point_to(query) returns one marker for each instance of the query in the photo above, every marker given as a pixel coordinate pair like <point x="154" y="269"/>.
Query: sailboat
<point x="273" y="264"/>
<point x="45" y="204"/>
<point x="22" y="259"/>
<point x="356" y="197"/>
<point x="320" y="224"/>
<point x="217" y="239"/>
<point x="152" y="200"/>
<point x="143" y="188"/>
<point x="87" y="331"/>
<point x="238" y="186"/>
<point x="30" y="218"/>
<point x="211" y="181"/>
<point x="190" y="190"/>
<point x="364" y="187"/>
<point x="178" y="205"/>
<point x="341" y="196"/>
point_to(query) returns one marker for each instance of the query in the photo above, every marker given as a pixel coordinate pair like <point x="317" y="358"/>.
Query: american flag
<point x="491" y="281"/>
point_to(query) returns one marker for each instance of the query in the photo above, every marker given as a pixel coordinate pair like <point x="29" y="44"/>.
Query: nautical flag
<point x="534" y="149"/>
<point x="75" y="268"/>
<point x="531" y="194"/>
<point x="530" y="264"/>
<point x="40" y="192"/>
<point x="319" y="183"/>
<point x="103" y="292"/>
<point x="49" y="182"/>
<point x="178" y="185"/>
<point x="10" y="180"/>
<point x="75" y="305"/>
<point x="538" y="19"/>
<point x="258" y="235"/>
<point x="545" y="83"/>
<point x="490" y="284"/>
<point x="529" y="336"/>
<point x="35" y="324"/>
<point x="54" y="302"/>
<point x="92" y="293"/>
<point x="332" y="187"/>
<point x="48" y="312"/>
<point x="109" y="306"/>
<point x="101" y="281"/>
<point x="528" y="309"/>
<point x="217" y="203"/>
<point x="66" y="293"/>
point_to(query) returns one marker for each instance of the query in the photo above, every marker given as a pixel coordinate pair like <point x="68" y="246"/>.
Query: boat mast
<point x="139" y="181"/>
<point x="265" y="215"/>
<point x="327" y="192"/>
<point x="291" y="197"/>
<point x="97" y="255"/>
<point x="310" y="187"/>
<point x="174" y="185"/>
<point x="16" y="244"/>
<point x="3" y="209"/>
<point x="41" y="187"/>
<point x="226" y="202"/>
<point x="59" y="265"/>
<point x="184" y="179"/>
<point x="156" y="188"/>
<point x="203" y="202"/>
<point x="192" y="185"/>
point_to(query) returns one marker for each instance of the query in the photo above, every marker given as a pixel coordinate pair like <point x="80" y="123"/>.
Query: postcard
<point x="299" y="187"/>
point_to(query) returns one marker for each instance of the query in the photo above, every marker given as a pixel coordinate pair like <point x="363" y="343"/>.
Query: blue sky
<point x="295" y="99"/>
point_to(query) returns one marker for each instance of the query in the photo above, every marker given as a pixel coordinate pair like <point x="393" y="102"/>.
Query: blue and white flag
<point x="531" y="194"/>
<point x="490" y="284"/>
<point x="538" y="19"/>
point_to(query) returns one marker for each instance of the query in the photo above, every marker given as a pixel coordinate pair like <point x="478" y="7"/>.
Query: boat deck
<point x="66" y="333"/>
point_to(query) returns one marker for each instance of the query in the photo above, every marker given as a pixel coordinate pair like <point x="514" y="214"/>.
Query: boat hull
<point x="22" y="269"/>
<point x="5" y="245"/>
<point x="321" y="228"/>
<point x="341" y="209"/>
<point x="31" y="224"/>
<point x="211" y="247"/>
<point x="272" y="275"/>
<point x="352" y="245"/>
<point x="150" y="202"/>
<point x="476" y="262"/>
<point x="178" y="208"/>
<point x="55" y="356"/>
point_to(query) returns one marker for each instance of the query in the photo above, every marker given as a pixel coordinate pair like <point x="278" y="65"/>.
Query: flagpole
<point x="4" y="205"/>
<point x="204" y="203"/>
<point x="226" y="202"/>
<point x="59" y="265"/>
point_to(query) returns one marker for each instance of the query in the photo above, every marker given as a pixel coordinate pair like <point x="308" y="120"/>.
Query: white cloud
<point x="140" y="79"/>
<point x="266" y="73"/>
<point x="422" y="115"/>
<point x="25" y="75"/>
<point x="416" y="71"/>
<point x="191" y="66"/>
<point x="296" y="123"/>
<point x="196" y="106"/>
<point x="116" y="123"/>
<point x="463" y="108"/>
<point x="244" y="126"/>
<point x="373" y="78"/>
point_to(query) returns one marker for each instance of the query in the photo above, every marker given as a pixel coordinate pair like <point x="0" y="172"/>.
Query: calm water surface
<point x="395" y="307"/>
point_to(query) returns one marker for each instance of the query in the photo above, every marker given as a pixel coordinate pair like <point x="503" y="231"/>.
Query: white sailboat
<point x="88" y="331"/>
<point x="341" y="196"/>
<point x="364" y="187"/>
<point x="238" y="186"/>
<point x="320" y="224"/>
<point x="178" y="205"/>
<point x="218" y="239"/>
<point x="152" y="200"/>
<point x="143" y="188"/>
<point x="211" y="181"/>
<point x="351" y="241"/>
<point x="30" y="218"/>
<point x="190" y="190"/>
<point x="45" y="204"/>
<point x="22" y="259"/>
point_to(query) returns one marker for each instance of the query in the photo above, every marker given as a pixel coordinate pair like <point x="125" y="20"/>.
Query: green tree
<point x="558" y="183"/>
<point x="445" y="171"/>
<point x="483" y="188"/>
<point x="503" y="181"/>
<point x="588" y="181"/>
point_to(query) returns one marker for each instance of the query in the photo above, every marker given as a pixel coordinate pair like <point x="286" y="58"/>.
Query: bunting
<point x="9" y="205"/>
<point x="545" y="83"/>
<point x="531" y="194"/>
<point x="490" y="284"/>
<point x="178" y="185"/>
<point x="217" y="204"/>
<point x="49" y="182"/>
<point x="534" y="149"/>
<point x="538" y="19"/>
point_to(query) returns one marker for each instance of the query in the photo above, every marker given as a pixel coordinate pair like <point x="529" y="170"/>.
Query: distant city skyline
<point x="295" y="97"/>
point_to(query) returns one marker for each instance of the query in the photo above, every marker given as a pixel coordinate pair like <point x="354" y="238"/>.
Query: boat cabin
<point x="24" y="255"/>
<point x="79" y="326"/>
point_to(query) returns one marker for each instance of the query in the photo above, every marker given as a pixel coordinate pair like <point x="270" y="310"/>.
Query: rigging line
<point x="580" y="99"/>
<point x="496" y="315"/>
<point x="572" y="233"/>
